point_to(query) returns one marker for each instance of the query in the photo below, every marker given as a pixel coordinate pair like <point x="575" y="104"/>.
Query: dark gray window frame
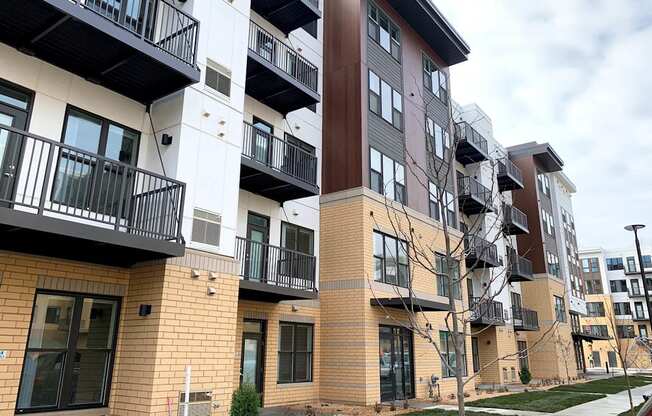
<point x="294" y="351"/>
<point x="66" y="371"/>
<point x="383" y="260"/>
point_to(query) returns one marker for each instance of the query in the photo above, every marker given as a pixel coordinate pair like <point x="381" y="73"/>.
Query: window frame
<point x="441" y="284"/>
<point x="399" y="189"/>
<point x="73" y="335"/>
<point x="383" y="259"/>
<point x="614" y="263"/>
<point x="298" y="228"/>
<point x="429" y="68"/>
<point x="395" y="48"/>
<point x="445" y="371"/>
<point x="393" y="108"/>
<point x="294" y="352"/>
<point x="560" y="309"/>
<point x="220" y="72"/>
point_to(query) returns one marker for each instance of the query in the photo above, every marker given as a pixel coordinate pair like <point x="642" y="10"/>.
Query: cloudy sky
<point x="577" y="74"/>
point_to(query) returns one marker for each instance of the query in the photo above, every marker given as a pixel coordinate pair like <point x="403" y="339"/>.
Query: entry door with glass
<point x="82" y="179"/>
<point x="14" y="107"/>
<point x="253" y="354"/>
<point x="257" y="247"/>
<point x="396" y="370"/>
<point x="263" y="141"/>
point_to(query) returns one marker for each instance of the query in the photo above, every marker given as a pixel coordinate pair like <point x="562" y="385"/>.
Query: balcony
<point x="275" y="168"/>
<point x="277" y="75"/>
<point x="509" y="176"/>
<point x="61" y="201"/>
<point x="590" y="333"/>
<point x="287" y="15"/>
<point x="520" y="269"/>
<point x="486" y="312"/>
<point x="480" y="253"/>
<point x="474" y="198"/>
<point x="142" y="49"/>
<point x="471" y="146"/>
<point x="525" y="319"/>
<point x="514" y="221"/>
<point x="273" y="274"/>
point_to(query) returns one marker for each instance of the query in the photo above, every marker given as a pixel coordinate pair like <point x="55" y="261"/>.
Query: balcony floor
<point x="262" y="180"/>
<point x="286" y="15"/>
<point x="93" y="47"/>
<point x="507" y="182"/>
<point x="467" y="152"/>
<point x="263" y="292"/>
<point x="55" y="237"/>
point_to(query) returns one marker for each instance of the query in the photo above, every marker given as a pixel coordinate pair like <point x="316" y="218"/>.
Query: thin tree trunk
<point x="629" y="389"/>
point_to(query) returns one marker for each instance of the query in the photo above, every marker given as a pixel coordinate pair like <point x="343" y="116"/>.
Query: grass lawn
<point x="611" y="385"/>
<point x="538" y="401"/>
<point x="438" y="412"/>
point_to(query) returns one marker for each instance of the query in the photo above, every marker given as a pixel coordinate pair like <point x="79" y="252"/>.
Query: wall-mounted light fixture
<point x="166" y="139"/>
<point x="144" y="310"/>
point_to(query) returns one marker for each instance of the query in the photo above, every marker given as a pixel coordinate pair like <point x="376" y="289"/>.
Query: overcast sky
<point x="577" y="74"/>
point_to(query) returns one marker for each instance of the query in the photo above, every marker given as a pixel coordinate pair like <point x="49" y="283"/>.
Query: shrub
<point x="525" y="375"/>
<point x="245" y="401"/>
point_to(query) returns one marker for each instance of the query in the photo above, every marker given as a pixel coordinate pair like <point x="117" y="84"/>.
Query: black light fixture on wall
<point x="166" y="139"/>
<point x="144" y="310"/>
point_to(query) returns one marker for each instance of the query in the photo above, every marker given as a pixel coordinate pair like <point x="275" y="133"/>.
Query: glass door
<point x="257" y="248"/>
<point x="13" y="113"/>
<point x="253" y="359"/>
<point x="262" y="146"/>
<point x="396" y="369"/>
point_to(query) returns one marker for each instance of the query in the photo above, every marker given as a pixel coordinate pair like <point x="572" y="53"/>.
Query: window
<point x="522" y="354"/>
<point x="311" y="28"/>
<point x="72" y="347"/>
<point x="591" y="265"/>
<point x="595" y="309"/>
<point x="618" y="286"/>
<point x="296" y="238"/>
<point x="599" y="330"/>
<point x="543" y="183"/>
<point x="553" y="264"/>
<point x="638" y="308"/>
<point x="218" y="79"/>
<point x="82" y="181"/>
<point x="384" y="32"/>
<point x="593" y="287"/>
<point x="560" y="309"/>
<point x="615" y="263"/>
<point x="625" y="331"/>
<point x="295" y="353"/>
<point x="438" y="139"/>
<point x="548" y="222"/>
<point x="449" y="204"/>
<point x="448" y="356"/>
<point x="647" y="261"/>
<point x="636" y="290"/>
<point x="387" y="177"/>
<point x="433" y="196"/>
<point x="390" y="260"/>
<point x="385" y="101"/>
<point x="622" y="308"/>
<point x="475" y="351"/>
<point x="206" y="227"/>
<point x="434" y="79"/>
<point x="631" y="264"/>
<point x="642" y="331"/>
<point x="442" y="278"/>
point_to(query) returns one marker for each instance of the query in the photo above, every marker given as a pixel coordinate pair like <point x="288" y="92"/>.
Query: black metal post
<point x="640" y="265"/>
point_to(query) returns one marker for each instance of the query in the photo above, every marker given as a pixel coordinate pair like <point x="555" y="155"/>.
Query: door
<point x="475" y="351"/>
<point x="252" y="364"/>
<point x="597" y="361"/>
<point x="396" y="368"/>
<point x="613" y="362"/>
<point x="257" y="248"/>
<point x="262" y="146"/>
<point x="14" y="107"/>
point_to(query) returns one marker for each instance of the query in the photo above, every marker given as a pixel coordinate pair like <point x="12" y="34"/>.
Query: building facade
<point x="616" y="307"/>
<point x="159" y="194"/>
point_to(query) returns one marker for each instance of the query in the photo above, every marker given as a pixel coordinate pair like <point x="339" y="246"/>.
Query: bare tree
<point x="475" y="239"/>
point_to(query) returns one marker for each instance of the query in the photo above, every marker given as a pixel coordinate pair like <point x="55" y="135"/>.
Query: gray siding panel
<point x="384" y="65"/>
<point x="385" y="138"/>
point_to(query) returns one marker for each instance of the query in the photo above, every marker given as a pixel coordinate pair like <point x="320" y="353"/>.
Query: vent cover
<point x="200" y="403"/>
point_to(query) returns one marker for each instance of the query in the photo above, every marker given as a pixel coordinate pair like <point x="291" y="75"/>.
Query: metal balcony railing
<point x="479" y="250"/>
<point x="486" y="311"/>
<point x="513" y="215"/>
<point x="274" y="265"/>
<point x="596" y="330"/>
<point x="507" y="167"/>
<point x="42" y="176"/>
<point x="158" y="22"/>
<point x="525" y="319"/>
<point x="470" y="187"/>
<point x="519" y="266"/>
<point x="271" y="49"/>
<point x="464" y="131"/>
<point x="279" y="154"/>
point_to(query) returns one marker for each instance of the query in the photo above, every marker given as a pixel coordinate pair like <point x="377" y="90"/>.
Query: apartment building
<point x="387" y="63"/>
<point x="500" y="318"/>
<point x="556" y="292"/>
<point x="158" y="194"/>
<point x="616" y="307"/>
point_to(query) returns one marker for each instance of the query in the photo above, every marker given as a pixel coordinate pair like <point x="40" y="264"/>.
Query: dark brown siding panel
<point x="343" y="141"/>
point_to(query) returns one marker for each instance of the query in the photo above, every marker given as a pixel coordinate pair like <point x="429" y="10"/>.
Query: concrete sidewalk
<point x="507" y="412"/>
<point x="611" y="405"/>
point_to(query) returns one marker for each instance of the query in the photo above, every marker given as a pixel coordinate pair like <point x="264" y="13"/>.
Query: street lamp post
<point x="635" y="228"/>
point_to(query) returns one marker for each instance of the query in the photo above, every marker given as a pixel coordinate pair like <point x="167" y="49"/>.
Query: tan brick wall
<point x="187" y="327"/>
<point x="550" y="350"/>
<point x="494" y="343"/>
<point x="350" y="325"/>
<point x="272" y="314"/>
